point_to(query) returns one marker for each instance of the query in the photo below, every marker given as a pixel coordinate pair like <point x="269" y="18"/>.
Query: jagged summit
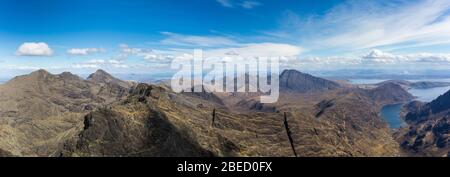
<point x="68" y="75"/>
<point x="301" y="82"/>
<point x="101" y="76"/>
<point x="101" y="72"/>
<point x="40" y="72"/>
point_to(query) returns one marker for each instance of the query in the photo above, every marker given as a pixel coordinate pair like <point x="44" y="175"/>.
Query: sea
<point x="391" y="113"/>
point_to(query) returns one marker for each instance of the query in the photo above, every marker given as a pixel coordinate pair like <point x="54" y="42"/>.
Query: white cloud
<point x="374" y="59"/>
<point x="164" y="57"/>
<point x="34" y="49"/>
<point x="378" y="56"/>
<point x="85" y="51"/>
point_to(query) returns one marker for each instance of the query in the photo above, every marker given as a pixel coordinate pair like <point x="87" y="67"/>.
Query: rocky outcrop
<point x="40" y="110"/>
<point x="429" y="129"/>
<point x="108" y="132"/>
<point x="411" y="107"/>
<point x="422" y="113"/>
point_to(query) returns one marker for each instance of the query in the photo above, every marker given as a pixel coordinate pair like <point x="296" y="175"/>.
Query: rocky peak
<point x="40" y="73"/>
<point x="298" y="81"/>
<point x="101" y="76"/>
<point x="389" y="93"/>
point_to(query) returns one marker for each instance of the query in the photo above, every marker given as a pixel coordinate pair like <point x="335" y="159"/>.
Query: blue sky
<point x="143" y="36"/>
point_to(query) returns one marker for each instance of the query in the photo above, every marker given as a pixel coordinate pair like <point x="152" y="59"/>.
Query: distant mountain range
<point x="416" y="85"/>
<point x="42" y="114"/>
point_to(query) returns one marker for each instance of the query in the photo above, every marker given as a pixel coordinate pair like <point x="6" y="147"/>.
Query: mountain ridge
<point x="40" y="109"/>
<point x="71" y="116"/>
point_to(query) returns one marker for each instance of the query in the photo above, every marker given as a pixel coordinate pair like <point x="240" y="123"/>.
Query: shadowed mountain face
<point x="296" y="81"/>
<point x="133" y="127"/>
<point x="63" y="115"/>
<point x="4" y="153"/>
<point x="39" y="110"/>
<point x="141" y="124"/>
<point x="429" y="128"/>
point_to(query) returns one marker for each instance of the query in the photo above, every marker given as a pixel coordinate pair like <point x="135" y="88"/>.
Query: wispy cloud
<point x="225" y="3"/>
<point x="225" y="45"/>
<point x="164" y="57"/>
<point x="100" y="63"/>
<point x="250" y="4"/>
<point x="19" y="67"/>
<point x="358" y="25"/>
<point x="85" y="51"/>
<point x="149" y="55"/>
<point x="257" y="50"/>
<point x="246" y="4"/>
<point x="175" y="39"/>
